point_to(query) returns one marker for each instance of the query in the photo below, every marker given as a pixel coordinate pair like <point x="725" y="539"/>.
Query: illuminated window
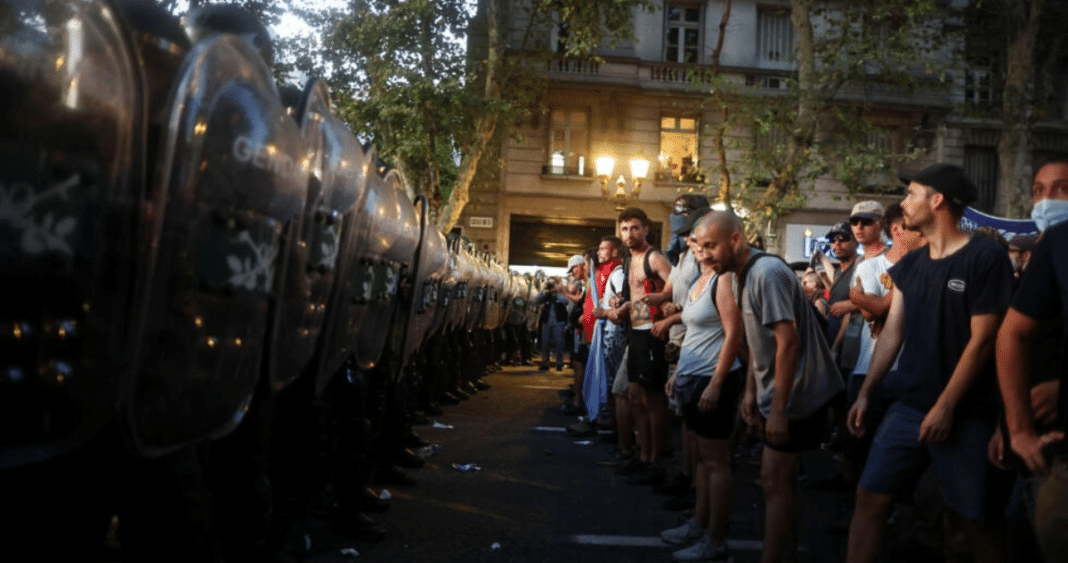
<point x="569" y="143"/>
<point x="678" y="150"/>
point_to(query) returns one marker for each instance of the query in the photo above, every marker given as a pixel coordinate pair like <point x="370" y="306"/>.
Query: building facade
<point x="640" y="99"/>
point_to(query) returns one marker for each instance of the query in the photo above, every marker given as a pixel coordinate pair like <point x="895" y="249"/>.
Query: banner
<point x="1008" y="228"/>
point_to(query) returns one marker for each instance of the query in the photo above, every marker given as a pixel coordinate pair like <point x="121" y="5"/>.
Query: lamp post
<point x="639" y="168"/>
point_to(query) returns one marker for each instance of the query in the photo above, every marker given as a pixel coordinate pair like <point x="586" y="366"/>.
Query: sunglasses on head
<point x="841" y="238"/>
<point x="862" y="221"/>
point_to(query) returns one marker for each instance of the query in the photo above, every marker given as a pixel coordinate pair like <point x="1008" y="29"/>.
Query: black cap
<point x="948" y="179"/>
<point x="840" y="229"/>
<point x="691" y="220"/>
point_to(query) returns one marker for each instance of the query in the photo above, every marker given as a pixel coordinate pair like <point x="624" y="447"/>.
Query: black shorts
<point x="646" y="365"/>
<point x="805" y="434"/>
<point x="582" y="354"/>
<point x="718" y="424"/>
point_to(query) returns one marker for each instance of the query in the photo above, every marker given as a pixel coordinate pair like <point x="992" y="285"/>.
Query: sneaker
<point x="685" y="534"/>
<point x="703" y="551"/>
<point x="543" y="367"/>
<point x="616" y="458"/>
<point x="581" y="429"/>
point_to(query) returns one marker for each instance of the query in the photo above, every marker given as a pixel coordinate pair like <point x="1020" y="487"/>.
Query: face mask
<point x="677" y="221"/>
<point x="1049" y="212"/>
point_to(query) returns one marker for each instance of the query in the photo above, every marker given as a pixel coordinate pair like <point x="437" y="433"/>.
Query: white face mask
<point x="1049" y="212"/>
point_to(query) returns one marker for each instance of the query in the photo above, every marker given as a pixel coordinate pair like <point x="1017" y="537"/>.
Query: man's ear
<point x="937" y="199"/>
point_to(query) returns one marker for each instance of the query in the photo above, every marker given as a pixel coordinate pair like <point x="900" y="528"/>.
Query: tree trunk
<point x="487" y="124"/>
<point x="802" y="137"/>
<point x="721" y="129"/>
<point x="1015" y="142"/>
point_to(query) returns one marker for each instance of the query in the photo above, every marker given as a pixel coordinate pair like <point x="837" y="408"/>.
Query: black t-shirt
<point x="941" y="296"/>
<point x="1043" y="295"/>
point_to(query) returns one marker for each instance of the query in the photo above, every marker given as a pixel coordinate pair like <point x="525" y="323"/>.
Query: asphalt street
<point x="539" y="495"/>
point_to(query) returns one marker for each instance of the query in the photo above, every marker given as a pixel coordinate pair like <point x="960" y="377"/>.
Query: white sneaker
<point x="703" y="552"/>
<point x="685" y="534"/>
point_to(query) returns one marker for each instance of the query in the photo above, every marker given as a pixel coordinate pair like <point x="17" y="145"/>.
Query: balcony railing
<point x="572" y="65"/>
<point x="564" y="171"/>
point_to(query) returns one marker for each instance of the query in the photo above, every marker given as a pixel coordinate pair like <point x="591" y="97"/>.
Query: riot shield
<point x="231" y="176"/>
<point x="312" y="266"/>
<point x="71" y="140"/>
<point x="345" y="305"/>
<point x="429" y="270"/>
<point x="389" y="238"/>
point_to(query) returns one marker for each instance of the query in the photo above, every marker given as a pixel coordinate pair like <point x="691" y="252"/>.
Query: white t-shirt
<point x="875" y="281"/>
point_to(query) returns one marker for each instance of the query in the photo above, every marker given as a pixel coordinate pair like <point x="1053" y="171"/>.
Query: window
<point x="981" y="165"/>
<point x="678" y="150"/>
<point x="978" y="88"/>
<point x="683" y="34"/>
<point x="569" y="143"/>
<point x="775" y="39"/>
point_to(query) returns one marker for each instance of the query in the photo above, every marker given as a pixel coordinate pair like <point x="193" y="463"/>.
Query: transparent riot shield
<point x="71" y="135"/>
<point x="231" y="176"/>
<point x="337" y="180"/>
<point x="389" y="239"/>
<point x="345" y="305"/>
<point x="430" y="268"/>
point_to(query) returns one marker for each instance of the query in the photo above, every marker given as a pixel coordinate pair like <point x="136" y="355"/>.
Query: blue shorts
<point x="897" y="459"/>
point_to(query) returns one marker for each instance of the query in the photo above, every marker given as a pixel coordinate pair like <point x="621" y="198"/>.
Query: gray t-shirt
<point x="682" y="278"/>
<point x="773" y="293"/>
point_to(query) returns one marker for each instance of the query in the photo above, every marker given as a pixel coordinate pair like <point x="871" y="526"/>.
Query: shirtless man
<point x="645" y="362"/>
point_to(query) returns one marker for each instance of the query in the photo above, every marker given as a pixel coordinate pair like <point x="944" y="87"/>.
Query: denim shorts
<point x="897" y="459"/>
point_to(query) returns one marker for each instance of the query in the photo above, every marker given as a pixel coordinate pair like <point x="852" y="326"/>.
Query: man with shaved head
<point x="791" y="374"/>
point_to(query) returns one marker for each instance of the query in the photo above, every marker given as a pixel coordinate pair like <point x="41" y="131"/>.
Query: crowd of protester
<point x="923" y="353"/>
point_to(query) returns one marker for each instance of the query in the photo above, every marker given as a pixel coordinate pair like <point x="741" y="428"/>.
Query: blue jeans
<point x="554" y="333"/>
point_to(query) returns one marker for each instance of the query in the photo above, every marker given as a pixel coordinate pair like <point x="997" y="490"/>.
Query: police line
<point x="178" y="235"/>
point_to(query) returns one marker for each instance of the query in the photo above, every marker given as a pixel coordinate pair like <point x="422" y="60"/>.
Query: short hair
<point x="725" y="220"/>
<point x="894" y="214"/>
<point x="994" y="235"/>
<point x="633" y="213"/>
<point x="617" y="243"/>
<point x="1055" y="158"/>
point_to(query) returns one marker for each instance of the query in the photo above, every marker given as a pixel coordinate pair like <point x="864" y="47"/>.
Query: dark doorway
<point x="547" y="242"/>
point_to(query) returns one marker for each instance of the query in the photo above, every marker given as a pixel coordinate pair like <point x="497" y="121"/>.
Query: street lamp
<point x="639" y="168"/>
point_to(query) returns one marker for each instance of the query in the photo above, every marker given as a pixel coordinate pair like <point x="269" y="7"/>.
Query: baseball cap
<point x="867" y="210"/>
<point x="574" y="261"/>
<point x="691" y="220"/>
<point x="948" y="179"/>
<point x="840" y="229"/>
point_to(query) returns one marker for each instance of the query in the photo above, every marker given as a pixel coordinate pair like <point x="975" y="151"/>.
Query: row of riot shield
<point x="176" y="237"/>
